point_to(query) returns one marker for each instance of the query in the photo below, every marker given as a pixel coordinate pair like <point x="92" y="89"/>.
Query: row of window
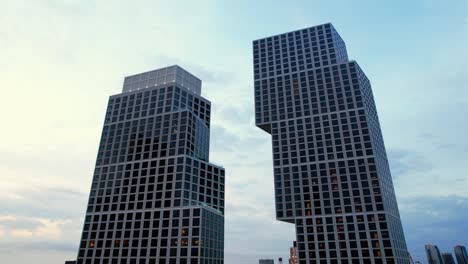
<point x="160" y="77"/>
<point x="156" y="184"/>
<point x="328" y="188"/>
<point x="312" y="47"/>
<point x="183" y="233"/>
<point x="172" y="259"/>
<point x="171" y="134"/>
<point x="378" y="146"/>
<point x="303" y="140"/>
<point x="155" y="101"/>
<point x="152" y="260"/>
<point x="307" y="93"/>
<point x="358" y="236"/>
<point x="345" y="238"/>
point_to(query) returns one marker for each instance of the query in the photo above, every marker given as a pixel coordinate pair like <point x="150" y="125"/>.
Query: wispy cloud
<point x="404" y="162"/>
<point x="42" y="220"/>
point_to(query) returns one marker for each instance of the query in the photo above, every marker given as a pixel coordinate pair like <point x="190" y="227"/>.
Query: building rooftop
<point x="294" y="31"/>
<point x="170" y="74"/>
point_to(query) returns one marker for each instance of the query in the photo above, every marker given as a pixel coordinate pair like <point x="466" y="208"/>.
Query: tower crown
<point x="171" y="74"/>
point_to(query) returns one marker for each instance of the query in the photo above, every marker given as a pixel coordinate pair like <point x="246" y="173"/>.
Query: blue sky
<point x="60" y="60"/>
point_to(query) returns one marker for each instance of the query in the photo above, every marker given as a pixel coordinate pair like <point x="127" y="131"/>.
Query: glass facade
<point x="447" y="258"/>
<point x="155" y="198"/>
<point x="461" y="254"/>
<point x="331" y="174"/>
<point x="162" y="76"/>
<point x="433" y="254"/>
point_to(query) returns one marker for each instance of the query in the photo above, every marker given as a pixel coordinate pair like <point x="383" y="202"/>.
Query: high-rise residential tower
<point x="447" y="258"/>
<point x="155" y="197"/>
<point x="331" y="173"/>
<point x="433" y="254"/>
<point x="461" y="254"/>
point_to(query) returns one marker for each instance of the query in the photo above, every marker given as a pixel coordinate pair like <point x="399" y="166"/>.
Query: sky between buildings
<point x="60" y="60"/>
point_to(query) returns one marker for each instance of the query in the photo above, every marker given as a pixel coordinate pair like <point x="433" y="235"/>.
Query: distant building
<point x="293" y="254"/>
<point x="461" y="255"/>
<point x="448" y="258"/>
<point x="433" y="254"/>
<point x="266" y="261"/>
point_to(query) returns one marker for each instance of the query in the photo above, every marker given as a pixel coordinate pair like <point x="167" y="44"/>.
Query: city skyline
<point x="61" y="60"/>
